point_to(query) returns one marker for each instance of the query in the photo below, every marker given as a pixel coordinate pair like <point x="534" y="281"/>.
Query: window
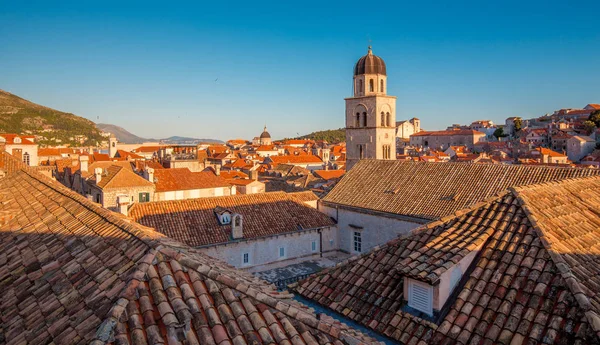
<point x="237" y="221"/>
<point x="313" y="246"/>
<point x="364" y="119"/>
<point x="26" y="158"/>
<point x="381" y="86"/>
<point x="386" y="151"/>
<point x="143" y="197"/>
<point x="371" y="86"/>
<point x="281" y="252"/>
<point x="360" y="86"/>
<point x="357" y="120"/>
<point x="245" y="259"/>
<point x="361" y="154"/>
<point x="388" y="119"/>
<point x="382" y="119"/>
<point x="420" y="297"/>
<point x="357" y="241"/>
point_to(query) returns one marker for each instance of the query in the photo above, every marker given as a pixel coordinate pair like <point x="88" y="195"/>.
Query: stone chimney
<point x="18" y="154"/>
<point x="218" y="169"/>
<point x="254" y="175"/>
<point x="123" y="204"/>
<point x="98" y="173"/>
<point x="83" y="163"/>
<point x="237" y="229"/>
<point x="149" y="174"/>
<point x="2" y="144"/>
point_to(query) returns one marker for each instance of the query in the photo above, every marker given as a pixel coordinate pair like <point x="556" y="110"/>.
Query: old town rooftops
<point x="193" y="222"/>
<point x="424" y="190"/>
<point x="74" y="273"/>
<point x="535" y="277"/>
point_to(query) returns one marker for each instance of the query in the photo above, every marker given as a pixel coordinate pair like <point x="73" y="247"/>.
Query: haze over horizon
<point x="223" y="70"/>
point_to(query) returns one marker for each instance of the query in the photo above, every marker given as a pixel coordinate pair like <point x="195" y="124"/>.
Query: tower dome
<point x="369" y="64"/>
<point x="265" y="134"/>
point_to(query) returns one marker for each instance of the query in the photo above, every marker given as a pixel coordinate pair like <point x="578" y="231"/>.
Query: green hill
<point x="332" y="136"/>
<point x="53" y="127"/>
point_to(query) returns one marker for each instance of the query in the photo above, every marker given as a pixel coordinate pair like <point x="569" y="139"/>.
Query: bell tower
<point x="370" y="113"/>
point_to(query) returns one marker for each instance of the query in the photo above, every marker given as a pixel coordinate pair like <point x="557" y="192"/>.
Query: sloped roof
<point x="430" y="190"/>
<point x="74" y="273"/>
<point x="535" y="280"/>
<point x="183" y="179"/>
<point x="330" y="174"/>
<point x="295" y="159"/>
<point x="25" y="139"/>
<point x="193" y="221"/>
<point x="447" y="133"/>
<point x="120" y="177"/>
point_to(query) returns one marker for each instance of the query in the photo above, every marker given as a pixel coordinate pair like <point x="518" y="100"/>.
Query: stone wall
<point x="108" y="197"/>
<point x="193" y="193"/>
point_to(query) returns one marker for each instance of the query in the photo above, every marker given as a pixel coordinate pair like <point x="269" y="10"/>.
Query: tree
<point x="589" y="126"/>
<point x="595" y="118"/>
<point x="518" y="124"/>
<point x="499" y="133"/>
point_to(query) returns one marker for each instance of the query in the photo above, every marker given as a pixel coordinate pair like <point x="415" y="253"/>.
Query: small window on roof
<point x="420" y="297"/>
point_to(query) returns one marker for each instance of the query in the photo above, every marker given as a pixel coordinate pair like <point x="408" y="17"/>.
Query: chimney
<point x="123" y="204"/>
<point x="2" y="144"/>
<point x="254" y="175"/>
<point x="218" y="169"/>
<point x="237" y="223"/>
<point x="18" y="154"/>
<point x="98" y="173"/>
<point x="149" y="174"/>
<point x="83" y="163"/>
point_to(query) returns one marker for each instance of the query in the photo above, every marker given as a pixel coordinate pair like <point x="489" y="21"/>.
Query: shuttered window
<point x="420" y="297"/>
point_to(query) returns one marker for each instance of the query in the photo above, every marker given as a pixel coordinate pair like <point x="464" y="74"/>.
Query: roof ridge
<point x="264" y="293"/>
<point x="561" y="264"/>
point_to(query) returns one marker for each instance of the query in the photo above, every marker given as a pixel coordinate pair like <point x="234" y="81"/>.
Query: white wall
<point x="264" y="252"/>
<point x="376" y="230"/>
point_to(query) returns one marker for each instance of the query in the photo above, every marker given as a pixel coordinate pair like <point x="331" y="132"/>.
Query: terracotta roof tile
<point x="183" y="179"/>
<point x="72" y="272"/>
<point x="119" y="177"/>
<point x="292" y="159"/>
<point x="447" y="133"/>
<point x="533" y="280"/>
<point x="329" y="174"/>
<point x="194" y="222"/>
<point x="433" y="190"/>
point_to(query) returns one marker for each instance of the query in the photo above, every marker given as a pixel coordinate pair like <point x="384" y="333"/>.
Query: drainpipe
<point x="320" y="243"/>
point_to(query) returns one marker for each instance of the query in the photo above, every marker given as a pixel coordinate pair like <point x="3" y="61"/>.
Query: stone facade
<point x="194" y="193"/>
<point x="404" y="129"/>
<point x="441" y="140"/>
<point x="579" y="147"/>
<point x="263" y="253"/>
<point x="108" y="197"/>
<point x="375" y="228"/>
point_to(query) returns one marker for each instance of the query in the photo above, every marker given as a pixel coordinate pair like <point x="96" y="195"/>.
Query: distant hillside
<point x="331" y="135"/>
<point x="122" y="134"/>
<point x="18" y="115"/>
<point x="126" y="137"/>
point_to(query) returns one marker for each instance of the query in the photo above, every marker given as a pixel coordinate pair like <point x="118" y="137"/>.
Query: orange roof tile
<point x="300" y="159"/>
<point x="183" y="179"/>
<point x="120" y="177"/>
<point x="448" y="133"/>
<point x="329" y="174"/>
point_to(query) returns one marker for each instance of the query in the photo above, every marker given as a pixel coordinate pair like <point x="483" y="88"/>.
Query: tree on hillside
<point x="499" y="133"/>
<point x="518" y="124"/>
<point x="595" y="118"/>
<point x="589" y="126"/>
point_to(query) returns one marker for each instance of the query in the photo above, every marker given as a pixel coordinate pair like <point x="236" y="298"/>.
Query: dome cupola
<point x="369" y="64"/>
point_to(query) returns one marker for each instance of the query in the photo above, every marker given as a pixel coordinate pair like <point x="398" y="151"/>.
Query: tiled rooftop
<point x="433" y="190"/>
<point x="194" y="223"/>
<point x="116" y="176"/>
<point x="183" y="179"/>
<point x="535" y="279"/>
<point x="74" y="273"/>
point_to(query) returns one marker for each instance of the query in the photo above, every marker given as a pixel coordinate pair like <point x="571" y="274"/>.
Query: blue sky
<point x="151" y="67"/>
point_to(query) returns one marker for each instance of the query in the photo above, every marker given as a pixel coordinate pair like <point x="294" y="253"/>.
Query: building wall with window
<point x="374" y="229"/>
<point x="264" y="253"/>
<point x="194" y="193"/>
<point x="108" y="197"/>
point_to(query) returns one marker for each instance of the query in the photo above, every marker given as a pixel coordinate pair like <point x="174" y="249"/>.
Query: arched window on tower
<point x="364" y="119"/>
<point x="360" y="86"/>
<point x="357" y="120"/>
<point x="382" y="119"/>
<point x="360" y="151"/>
<point x="388" y="120"/>
<point x="381" y="86"/>
<point x="371" y="86"/>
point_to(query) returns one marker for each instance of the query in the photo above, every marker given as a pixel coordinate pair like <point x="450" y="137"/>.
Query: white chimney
<point x="217" y="169"/>
<point x="237" y="223"/>
<point x="98" y="173"/>
<point x="149" y="174"/>
<point x="123" y="204"/>
<point x="83" y="163"/>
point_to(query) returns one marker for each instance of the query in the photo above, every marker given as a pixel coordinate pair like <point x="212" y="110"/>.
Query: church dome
<point x="265" y="134"/>
<point x="370" y="64"/>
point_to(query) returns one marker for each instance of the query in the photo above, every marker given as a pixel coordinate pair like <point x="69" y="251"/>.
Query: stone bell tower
<point x="370" y="113"/>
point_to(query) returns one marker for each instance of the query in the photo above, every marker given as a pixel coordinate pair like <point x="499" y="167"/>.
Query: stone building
<point x="181" y="183"/>
<point x="23" y="147"/>
<point x="265" y="138"/>
<point x="579" y="146"/>
<point x="116" y="188"/>
<point x="378" y="200"/>
<point x="406" y="128"/>
<point x="370" y="113"/>
<point x="255" y="231"/>
<point x="441" y="140"/>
